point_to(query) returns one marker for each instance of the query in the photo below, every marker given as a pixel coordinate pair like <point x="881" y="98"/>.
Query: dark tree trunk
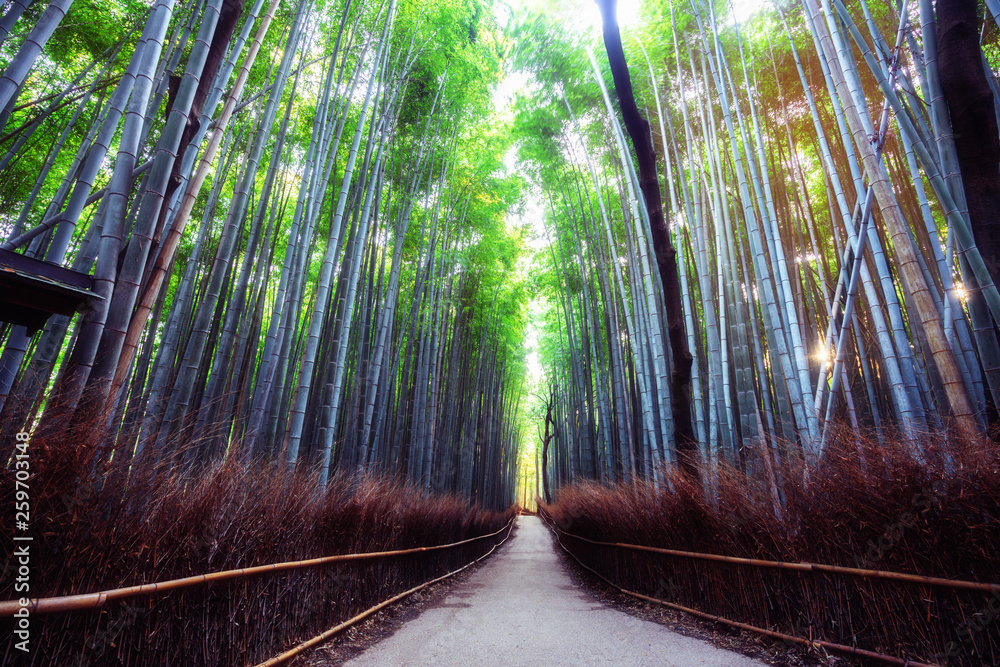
<point x="970" y="104"/>
<point x="666" y="256"/>
<point x="229" y="15"/>
<point x="545" y="446"/>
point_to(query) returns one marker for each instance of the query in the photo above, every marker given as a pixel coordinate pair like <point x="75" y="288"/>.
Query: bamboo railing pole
<point x="97" y="600"/>
<point x="956" y="584"/>
<point x="817" y="643"/>
<point x="318" y="639"/>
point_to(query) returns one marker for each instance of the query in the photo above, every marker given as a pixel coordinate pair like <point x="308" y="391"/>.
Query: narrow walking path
<point x="522" y="608"/>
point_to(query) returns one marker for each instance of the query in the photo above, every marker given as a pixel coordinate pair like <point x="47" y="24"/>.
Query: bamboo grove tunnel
<point x="304" y="302"/>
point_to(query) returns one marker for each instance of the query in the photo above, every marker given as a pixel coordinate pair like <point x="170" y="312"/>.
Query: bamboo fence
<point x="804" y="567"/>
<point x="97" y="600"/>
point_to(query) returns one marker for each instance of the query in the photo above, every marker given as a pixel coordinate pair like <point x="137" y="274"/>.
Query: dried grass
<point x="866" y="505"/>
<point x="97" y="527"/>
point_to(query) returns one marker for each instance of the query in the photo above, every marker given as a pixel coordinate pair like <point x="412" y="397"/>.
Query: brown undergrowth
<point x="99" y="527"/>
<point x="867" y="505"/>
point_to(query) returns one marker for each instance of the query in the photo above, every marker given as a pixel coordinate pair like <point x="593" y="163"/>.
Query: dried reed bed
<point x="867" y="505"/>
<point x="103" y="526"/>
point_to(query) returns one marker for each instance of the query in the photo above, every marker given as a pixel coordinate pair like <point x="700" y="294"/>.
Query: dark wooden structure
<point x="32" y="290"/>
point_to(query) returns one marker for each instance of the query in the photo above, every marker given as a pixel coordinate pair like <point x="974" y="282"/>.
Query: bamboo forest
<point x="306" y="305"/>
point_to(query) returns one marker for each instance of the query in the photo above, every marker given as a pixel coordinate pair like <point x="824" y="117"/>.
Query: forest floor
<point x="527" y="606"/>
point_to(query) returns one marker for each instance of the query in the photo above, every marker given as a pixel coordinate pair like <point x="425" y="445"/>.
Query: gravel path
<point x="521" y="608"/>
